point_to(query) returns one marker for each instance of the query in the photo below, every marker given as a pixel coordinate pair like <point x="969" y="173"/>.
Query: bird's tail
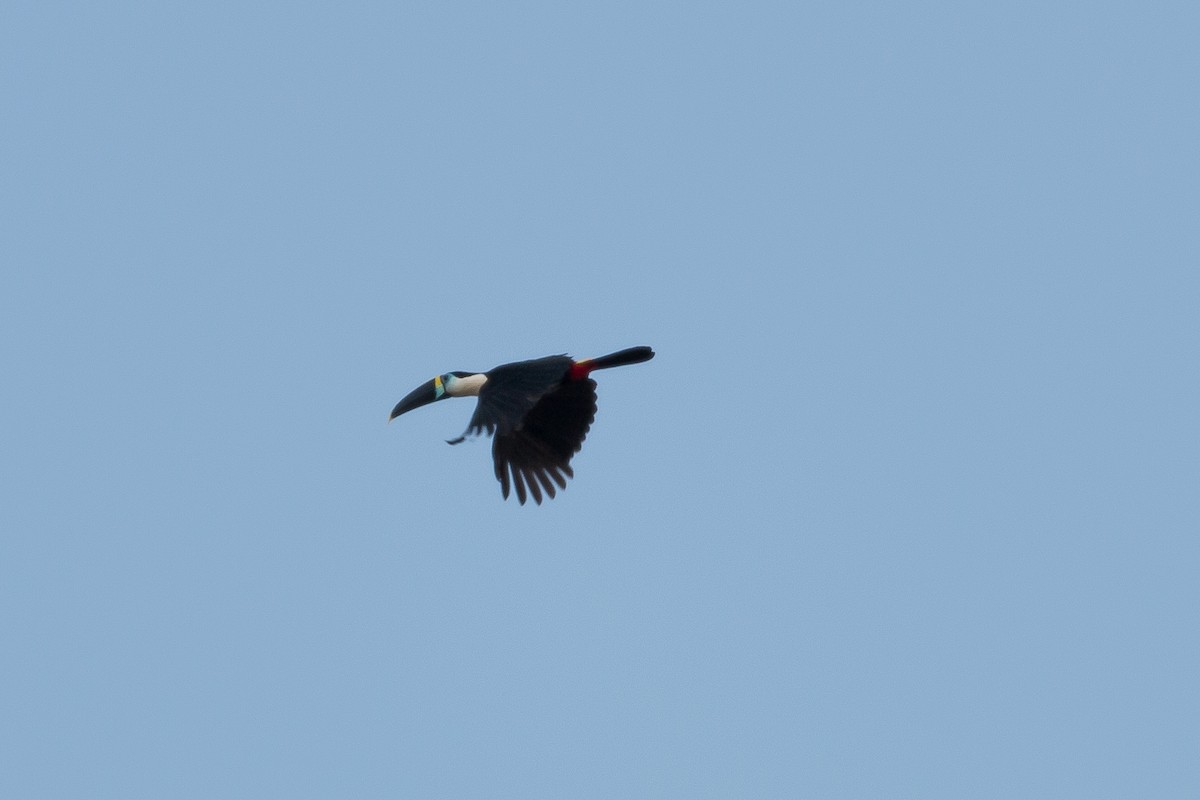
<point x="631" y="355"/>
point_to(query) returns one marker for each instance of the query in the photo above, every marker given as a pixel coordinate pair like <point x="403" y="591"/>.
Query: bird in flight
<point x="537" y="412"/>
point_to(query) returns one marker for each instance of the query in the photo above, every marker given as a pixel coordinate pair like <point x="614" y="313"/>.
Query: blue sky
<point x="906" y="505"/>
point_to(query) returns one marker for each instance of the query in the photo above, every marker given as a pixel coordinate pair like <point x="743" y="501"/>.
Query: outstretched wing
<point x="537" y="452"/>
<point x="511" y="392"/>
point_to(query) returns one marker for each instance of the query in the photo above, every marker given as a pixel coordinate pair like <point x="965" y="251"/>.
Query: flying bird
<point x="537" y="412"/>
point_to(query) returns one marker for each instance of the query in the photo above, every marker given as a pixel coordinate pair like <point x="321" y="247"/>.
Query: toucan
<point x="537" y="412"/>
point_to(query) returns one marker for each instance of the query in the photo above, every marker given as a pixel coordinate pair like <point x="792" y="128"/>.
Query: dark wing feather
<point x="511" y="392"/>
<point x="537" y="452"/>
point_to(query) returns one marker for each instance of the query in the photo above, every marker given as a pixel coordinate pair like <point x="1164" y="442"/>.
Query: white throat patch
<point x="465" y="387"/>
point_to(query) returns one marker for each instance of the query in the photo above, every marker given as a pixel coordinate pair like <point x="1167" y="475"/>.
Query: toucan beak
<point x="423" y="395"/>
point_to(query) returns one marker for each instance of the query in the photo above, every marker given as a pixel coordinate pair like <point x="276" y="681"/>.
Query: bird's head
<point x="452" y="384"/>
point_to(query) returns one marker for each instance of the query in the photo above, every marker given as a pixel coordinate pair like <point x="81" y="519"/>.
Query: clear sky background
<point x="906" y="505"/>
